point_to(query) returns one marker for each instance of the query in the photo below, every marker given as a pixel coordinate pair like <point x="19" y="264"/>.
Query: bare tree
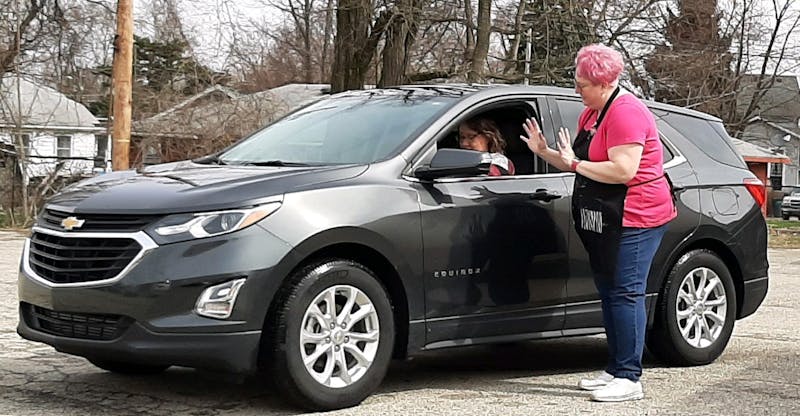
<point x="24" y="27"/>
<point x="358" y="33"/>
<point x="478" y="58"/>
<point x="693" y="67"/>
<point x="400" y="38"/>
<point x="773" y="57"/>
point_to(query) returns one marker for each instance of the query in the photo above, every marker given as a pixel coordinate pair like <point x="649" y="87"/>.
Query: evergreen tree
<point x="693" y="66"/>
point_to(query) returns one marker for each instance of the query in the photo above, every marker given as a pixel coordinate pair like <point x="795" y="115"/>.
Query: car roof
<point x="493" y="90"/>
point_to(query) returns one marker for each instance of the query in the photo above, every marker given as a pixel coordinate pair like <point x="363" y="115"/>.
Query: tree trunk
<point x="475" y="73"/>
<point x="323" y="67"/>
<point x="393" y="70"/>
<point x="308" y="70"/>
<point x="513" y="52"/>
<point x="469" y="30"/>
<point x="400" y="37"/>
<point x="352" y="24"/>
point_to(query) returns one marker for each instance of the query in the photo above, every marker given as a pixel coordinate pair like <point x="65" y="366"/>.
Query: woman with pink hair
<point x="621" y="204"/>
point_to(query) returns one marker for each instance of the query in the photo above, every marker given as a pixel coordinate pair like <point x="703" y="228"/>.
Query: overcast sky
<point x="207" y="23"/>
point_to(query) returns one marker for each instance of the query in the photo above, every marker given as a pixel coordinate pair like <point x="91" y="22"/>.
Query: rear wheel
<point x="123" y="367"/>
<point x="332" y="335"/>
<point x="696" y="312"/>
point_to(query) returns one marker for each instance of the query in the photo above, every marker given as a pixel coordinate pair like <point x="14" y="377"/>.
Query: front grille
<point x="97" y="222"/>
<point x="80" y="259"/>
<point x="76" y="325"/>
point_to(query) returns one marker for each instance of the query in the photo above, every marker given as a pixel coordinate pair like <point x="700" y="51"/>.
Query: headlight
<point x="208" y="224"/>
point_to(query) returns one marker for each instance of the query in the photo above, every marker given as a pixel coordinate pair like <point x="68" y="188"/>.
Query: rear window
<point x="709" y="136"/>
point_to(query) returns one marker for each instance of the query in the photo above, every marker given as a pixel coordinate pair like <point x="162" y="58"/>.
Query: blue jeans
<point x="624" y="314"/>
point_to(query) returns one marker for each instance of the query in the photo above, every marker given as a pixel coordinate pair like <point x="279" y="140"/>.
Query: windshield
<point x="359" y="129"/>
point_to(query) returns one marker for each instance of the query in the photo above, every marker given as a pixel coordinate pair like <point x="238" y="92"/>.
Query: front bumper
<point x="154" y="303"/>
<point x="235" y="352"/>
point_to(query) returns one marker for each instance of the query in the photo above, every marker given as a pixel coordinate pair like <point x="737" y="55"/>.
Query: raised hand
<point x="535" y="140"/>
<point x="564" y="146"/>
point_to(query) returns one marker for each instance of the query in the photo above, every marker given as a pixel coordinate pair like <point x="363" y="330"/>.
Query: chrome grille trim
<point x="140" y="237"/>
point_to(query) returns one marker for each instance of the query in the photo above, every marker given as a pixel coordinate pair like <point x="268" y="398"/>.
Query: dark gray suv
<point x="353" y="231"/>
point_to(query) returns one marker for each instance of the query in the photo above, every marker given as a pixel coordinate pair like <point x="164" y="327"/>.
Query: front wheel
<point x="332" y="335"/>
<point x="696" y="311"/>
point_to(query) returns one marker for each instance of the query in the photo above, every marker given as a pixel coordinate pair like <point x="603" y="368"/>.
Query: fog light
<point x="217" y="301"/>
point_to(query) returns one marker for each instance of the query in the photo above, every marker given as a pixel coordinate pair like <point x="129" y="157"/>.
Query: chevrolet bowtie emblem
<point x="71" y="222"/>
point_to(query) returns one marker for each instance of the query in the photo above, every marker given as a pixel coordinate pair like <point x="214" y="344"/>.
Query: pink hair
<point x="599" y="64"/>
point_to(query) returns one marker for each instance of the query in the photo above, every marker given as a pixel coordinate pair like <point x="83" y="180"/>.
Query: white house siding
<point x="42" y="158"/>
<point x="771" y="138"/>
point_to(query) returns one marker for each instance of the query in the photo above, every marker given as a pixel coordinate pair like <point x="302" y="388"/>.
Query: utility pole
<point x="121" y="76"/>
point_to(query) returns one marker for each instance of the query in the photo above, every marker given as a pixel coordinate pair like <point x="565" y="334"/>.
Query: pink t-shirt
<point x="629" y="121"/>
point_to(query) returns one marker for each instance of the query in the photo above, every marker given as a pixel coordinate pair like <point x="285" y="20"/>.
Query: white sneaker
<point x="598" y="382"/>
<point x="619" y="390"/>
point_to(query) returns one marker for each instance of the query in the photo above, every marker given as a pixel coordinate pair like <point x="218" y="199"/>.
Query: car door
<point x="495" y="256"/>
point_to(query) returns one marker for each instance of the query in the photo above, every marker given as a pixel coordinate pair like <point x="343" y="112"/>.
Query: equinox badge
<point x="71" y="222"/>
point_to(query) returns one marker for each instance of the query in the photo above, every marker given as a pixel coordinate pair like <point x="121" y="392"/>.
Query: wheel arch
<point x="387" y="275"/>
<point x="717" y="247"/>
<point x="359" y="247"/>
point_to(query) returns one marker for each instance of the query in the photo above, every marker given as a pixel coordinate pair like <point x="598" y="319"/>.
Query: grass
<point x="783" y="224"/>
<point x="783" y="233"/>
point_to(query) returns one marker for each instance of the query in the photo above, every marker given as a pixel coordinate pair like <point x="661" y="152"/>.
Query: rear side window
<point x="570" y="112"/>
<point x="709" y="136"/>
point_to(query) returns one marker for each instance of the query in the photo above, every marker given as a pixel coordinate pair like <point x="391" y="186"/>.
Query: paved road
<point x="758" y="374"/>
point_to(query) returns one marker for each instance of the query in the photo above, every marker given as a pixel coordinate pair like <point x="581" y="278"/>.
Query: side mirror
<point x="455" y="162"/>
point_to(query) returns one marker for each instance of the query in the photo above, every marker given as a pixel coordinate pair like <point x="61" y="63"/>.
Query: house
<point x="759" y="160"/>
<point x="213" y="119"/>
<point x="54" y="133"/>
<point x="775" y="125"/>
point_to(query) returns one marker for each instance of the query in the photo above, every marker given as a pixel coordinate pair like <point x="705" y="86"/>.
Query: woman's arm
<point x="621" y="166"/>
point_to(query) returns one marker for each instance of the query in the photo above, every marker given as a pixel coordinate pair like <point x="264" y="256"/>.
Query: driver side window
<point x="508" y="120"/>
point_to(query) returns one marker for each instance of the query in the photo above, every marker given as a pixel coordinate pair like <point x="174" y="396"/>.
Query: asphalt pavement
<point x="759" y="373"/>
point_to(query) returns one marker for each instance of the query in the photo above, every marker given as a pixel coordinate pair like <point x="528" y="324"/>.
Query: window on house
<point x="776" y="169"/>
<point x="101" y="146"/>
<point x="152" y="154"/>
<point x="26" y="142"/>
<point x="63" y="146"/>
<point x="776" y="175"/>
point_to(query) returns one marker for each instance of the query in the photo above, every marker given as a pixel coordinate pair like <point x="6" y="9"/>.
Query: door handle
<point x="545" y="195"/>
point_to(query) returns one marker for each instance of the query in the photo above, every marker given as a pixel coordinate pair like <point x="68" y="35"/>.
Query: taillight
<point x="756" y="189"/>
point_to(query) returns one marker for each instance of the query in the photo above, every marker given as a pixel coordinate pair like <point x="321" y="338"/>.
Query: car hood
<point x="191" y="187"/>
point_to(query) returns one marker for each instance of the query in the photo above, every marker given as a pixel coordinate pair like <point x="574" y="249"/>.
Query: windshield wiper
<point x="213" y="159"/>
<point x="273" y="163"/>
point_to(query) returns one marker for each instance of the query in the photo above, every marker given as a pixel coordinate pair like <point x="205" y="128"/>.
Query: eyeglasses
<point x="469" y="138"/>
<point x="582" y="85"/>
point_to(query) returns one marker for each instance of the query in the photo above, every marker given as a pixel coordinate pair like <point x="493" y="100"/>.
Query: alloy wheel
<point x="339" y="336"/>
<point x="701" y="307"/>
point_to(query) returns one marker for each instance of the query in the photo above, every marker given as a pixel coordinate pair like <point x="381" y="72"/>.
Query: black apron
<point x="597" y="208"/>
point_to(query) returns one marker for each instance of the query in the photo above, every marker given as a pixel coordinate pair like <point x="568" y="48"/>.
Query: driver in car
<point x="481" y="134"/>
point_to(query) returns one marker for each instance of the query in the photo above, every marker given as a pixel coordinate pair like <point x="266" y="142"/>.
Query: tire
<point x="784" y="216"/>
<point x="718" y="312"/>
<point x="121" y="367"/>
<point x="323" y="385"/>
